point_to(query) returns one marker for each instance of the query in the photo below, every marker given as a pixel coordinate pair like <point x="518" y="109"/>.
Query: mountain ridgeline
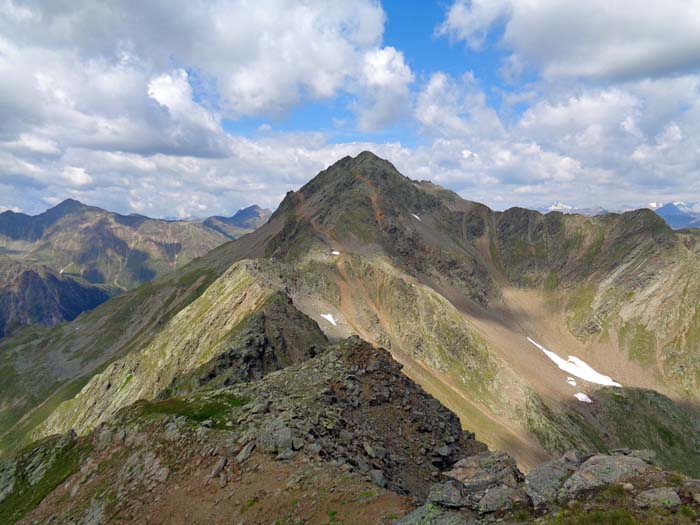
<point x="72" y="257"/>
<point x="479" y="308"/>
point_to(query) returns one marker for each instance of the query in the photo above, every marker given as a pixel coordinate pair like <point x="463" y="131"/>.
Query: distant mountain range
<point x="73" y="256"/>
<point x="678" y="215"/>
<point x="244" y="221"/>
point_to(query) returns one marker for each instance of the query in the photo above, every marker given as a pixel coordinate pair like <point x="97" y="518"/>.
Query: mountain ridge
<point x="452" y="290"/>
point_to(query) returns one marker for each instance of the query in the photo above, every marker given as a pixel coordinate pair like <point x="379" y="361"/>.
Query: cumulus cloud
<point x="130" y="105"/>
<point x="593" y="39"/>
<point x="385" y="88"/>
<point x="106" y="99"/>
<point x="456" y="107"/>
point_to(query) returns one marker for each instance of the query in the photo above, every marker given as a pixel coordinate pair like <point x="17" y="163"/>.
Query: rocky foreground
<point x="342" y="437"/>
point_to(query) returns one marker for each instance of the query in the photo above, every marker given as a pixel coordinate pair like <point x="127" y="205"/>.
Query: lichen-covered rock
<point x="501" y="497"/>
<point x="432" y="514"/>
<point x="604" y="470"/>
<point x="544" y="482"/>
<point x="486" y="470"/>
<point x="658" y="497"/>
<point x="451" y="493"/>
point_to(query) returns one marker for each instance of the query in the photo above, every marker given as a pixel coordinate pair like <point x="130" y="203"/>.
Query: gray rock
<point x="275" y="437"/>
<point x="261" y="407"/>
<point x="486" y="470"/>
<point x="450" y="494"/>
<point x="218" y="467"/>
<point x="287" y="453"/>
<point x="432" y="514"/>
<point x="646" y="455"/>
<point x="501" y="497"/>
<point x="544" y="482"/>
<point x="443" y="451"/>
<point x="603" y="470"/>
<point x="363" y="466"/>
<point x="172" y="431"/>
<point x="245" y="452"/>
<point x="369" y="450"/>
<point x="161" y="475"/>
<point x="659" y="497"/>
<point x="377" y="477"/>
<point x="691" y="489"/>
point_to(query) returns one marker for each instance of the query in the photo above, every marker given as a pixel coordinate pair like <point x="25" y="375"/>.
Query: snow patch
<point x="416" y="216"/>
<point x="571" y="381"/>
<point x="583" y="397"/>
<point x="577" y="367"/>
<point x="335" y="252"/>
<point x="329" y="318"/>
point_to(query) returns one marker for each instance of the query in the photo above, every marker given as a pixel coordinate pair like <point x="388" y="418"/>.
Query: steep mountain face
<point x="242" y="222"/>
<point x="480" y="308"/>
<point x="102" y="247"/>
<point x="36" y="295"/>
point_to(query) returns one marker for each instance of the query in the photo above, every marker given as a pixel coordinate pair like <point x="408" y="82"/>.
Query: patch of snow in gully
<point x="583" y="397"/>
<point x="335" y="252"/>
<point x="416" y="216"/>
<point x="571" y="381"/>
<point x="329" y="318"/>
<point x="577" y="367"/>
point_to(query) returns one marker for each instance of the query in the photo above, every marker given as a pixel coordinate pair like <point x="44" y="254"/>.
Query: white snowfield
<point x="416" y="216"/>
<point x="583" y="397"/>
<point x="571" y="381"/>
<point x="329" y="318"/>
<point x="577" y="367"/>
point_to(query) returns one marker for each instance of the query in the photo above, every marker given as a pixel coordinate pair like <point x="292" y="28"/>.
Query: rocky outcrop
<point x="488" y="487"/>
<point x="348" y="408"/>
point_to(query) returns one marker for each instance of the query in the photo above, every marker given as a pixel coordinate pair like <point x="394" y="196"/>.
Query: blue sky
<point x="219" y="104"/>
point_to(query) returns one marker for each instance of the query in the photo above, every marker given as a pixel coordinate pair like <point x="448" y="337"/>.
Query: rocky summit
<point x="379" y="351"/>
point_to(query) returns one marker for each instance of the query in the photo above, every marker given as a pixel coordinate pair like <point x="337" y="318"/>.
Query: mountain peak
<point x="69" y="204"/>
<point x="67" y="207"/>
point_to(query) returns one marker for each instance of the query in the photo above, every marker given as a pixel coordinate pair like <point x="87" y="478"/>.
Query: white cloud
<point x="74" y="176"/>
<point x="454" y="108"/>
<point x="591" y="39"/>
<point x="384" y="88"/>
<point x="125" y="105"/>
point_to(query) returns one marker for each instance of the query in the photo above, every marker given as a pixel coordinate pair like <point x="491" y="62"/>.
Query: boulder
<point x="218" y="467"/>
<point x="659" y="497"/>
<point x="431" y="514"/>
<point x="486" y="470"/>
<point x="603" y="470"/>
<point x="275" y="437"/>
<point x="377" y="477"/>
<point x="645" y="454"/>
<point x="501" y="497"/>
<point x="245" y="452"/>
<point x="451" y="493"/>
<point x="545" y="481"/>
